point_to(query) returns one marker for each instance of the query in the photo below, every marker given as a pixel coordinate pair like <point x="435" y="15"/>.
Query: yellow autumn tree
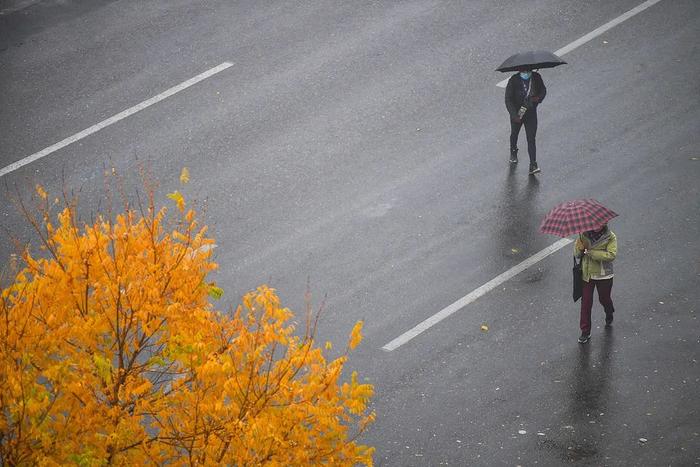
<point x="112" y="353"/>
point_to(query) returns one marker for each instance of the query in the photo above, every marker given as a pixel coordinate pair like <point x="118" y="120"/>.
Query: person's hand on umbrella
<point x="535" y="99"/>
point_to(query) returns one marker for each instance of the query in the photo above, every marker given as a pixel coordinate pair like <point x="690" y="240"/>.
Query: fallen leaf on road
<point x="184" y="175"/>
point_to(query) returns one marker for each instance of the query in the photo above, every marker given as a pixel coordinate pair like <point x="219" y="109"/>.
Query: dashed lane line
<point x="474" y="295"/>
<point x="114" y="119"/>
<point x="596" y="32"/>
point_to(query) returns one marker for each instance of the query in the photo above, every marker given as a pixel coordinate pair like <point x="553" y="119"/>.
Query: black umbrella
<point x="530" y="60"/>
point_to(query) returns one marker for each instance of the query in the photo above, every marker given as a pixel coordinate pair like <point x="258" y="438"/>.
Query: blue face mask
<point x="525" y="74"/>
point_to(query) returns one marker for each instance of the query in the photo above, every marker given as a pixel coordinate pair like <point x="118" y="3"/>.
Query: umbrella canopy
<point x="573" y="217"/>
<point x="531" y="60"/>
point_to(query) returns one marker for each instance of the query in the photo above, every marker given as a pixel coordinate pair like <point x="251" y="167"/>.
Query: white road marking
<point x="114" y="119"/>
<point x="17" y="6"/>
<point x="596" y="32"/>
<point x="475" y="294"/>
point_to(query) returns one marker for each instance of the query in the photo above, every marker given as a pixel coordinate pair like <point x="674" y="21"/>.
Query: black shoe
<point x="534" y="169"/>
<point x="513" y="156"/>
<point x="584" y="338"/>
<point x="608" y="319"/>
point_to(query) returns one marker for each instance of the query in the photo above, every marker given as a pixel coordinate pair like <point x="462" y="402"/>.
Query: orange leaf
<point x="355" y="335"/>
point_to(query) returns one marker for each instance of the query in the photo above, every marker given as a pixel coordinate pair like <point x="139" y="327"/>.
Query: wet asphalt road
<point x="363" y="145"/>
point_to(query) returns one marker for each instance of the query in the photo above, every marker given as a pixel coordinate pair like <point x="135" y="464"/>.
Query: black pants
<point x="530" y="122"/>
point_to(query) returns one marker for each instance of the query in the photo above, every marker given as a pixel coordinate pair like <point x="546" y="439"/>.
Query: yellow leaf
<point x="175" y="195"/>
<point x="484" y="328"/>
<point x="329" y="346"/>
<point x="184" y="175"/>
<point x="355" y="335"/>
<point x="178" y="198"/>
<point x="103" y="367"/>
<point x="40" y="191"/>
<point x="215" y="292"/>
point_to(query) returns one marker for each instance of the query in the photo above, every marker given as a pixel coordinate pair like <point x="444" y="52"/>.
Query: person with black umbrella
<point x="524" y="92"/>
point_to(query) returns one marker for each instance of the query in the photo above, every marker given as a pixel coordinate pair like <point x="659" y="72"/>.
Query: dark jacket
<point x="515" y="93"/>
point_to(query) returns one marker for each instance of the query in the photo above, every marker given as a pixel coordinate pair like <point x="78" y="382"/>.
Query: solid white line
<point x="113" y="119"/>
<point x="20" y="5"/>
<point x="475" y="294"/>
<point x="596" y="32"/>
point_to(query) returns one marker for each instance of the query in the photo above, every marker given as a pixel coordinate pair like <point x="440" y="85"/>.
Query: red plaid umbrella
<point x="573" y="217"/>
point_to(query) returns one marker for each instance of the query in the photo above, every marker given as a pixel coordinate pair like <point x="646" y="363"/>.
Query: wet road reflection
<point x="590" y="382"/>
<point x="517" y="216"/>
<point x="589" y="397"/>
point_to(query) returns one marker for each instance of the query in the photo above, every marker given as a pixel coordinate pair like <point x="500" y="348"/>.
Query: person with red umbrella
<point x="596" y="247"/>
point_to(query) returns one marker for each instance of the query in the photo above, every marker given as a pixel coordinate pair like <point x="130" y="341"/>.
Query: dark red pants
<point x="604" y="290"/>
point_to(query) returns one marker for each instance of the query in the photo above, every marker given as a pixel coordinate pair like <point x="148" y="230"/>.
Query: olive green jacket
<point x="598" y="263"/>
